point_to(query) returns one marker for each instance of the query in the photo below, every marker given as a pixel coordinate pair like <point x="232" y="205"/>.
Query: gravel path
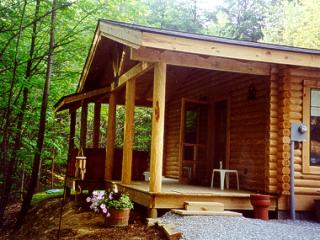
<point x="236" y="228"/>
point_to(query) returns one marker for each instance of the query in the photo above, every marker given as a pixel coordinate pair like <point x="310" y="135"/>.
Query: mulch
<point x="78" y="222"/>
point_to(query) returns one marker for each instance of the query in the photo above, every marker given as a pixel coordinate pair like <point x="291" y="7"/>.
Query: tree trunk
<point x="22" y="186"/>
<point x="42" y="123"/>
<point x="7" y="170"/>
<point x="52" y="169"/>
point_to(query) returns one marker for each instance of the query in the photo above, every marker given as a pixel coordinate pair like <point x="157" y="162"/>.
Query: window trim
<point x="308" y="86"/>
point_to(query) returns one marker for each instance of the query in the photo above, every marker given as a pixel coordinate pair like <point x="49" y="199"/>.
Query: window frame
<point x="308" y="86"/>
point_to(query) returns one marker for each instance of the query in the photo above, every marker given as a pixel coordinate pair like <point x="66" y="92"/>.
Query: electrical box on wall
<point x="299" y="132"/>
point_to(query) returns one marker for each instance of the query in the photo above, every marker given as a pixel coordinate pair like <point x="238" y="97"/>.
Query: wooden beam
<point x="133" y="73"/>
<point x="83" y="127"/>
<point x="157" y="136"/>
<point x="227" y="50"/>
<point x="122" y="61"/>
<point x="80" y="97"/>
<point x="96" y="125"/>
<point x="73" y="114"/>
<point x="119" y="34"/>
<point x="200" y="61"/>
<point x="85" y="71"/>
<point x="111" y="135"/>
<point x="128" y="132"/>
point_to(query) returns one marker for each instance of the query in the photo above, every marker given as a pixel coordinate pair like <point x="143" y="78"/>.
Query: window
<point x="314" y="127"/>
<point x="311" y="117"/>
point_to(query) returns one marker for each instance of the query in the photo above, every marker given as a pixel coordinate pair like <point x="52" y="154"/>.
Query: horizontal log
<point x="272" y="189"/>
<point x="284" y="124"/>
<point x="311" y="83"/>
<point x="308" y="183"/>
<point x="285" y="170"/>
<point x="273" y="125"/>
<point x="272" y="173"/>
<point x="272" y="165"/>
<point x="285" y="155"/>
<point x="285" y="147"/>
<point x="273" y="150"/>
<point x="292" y="101"/>
<point x="272" y="181"/>
<point x="284" y="178"/>
<point x="297" y="167"/>
<point x="285" y="140"/>
<point x="272" y="158"/>
<point x="291" y="87"/>
<point x="285" y="187"/>
<point x="304" y="73"/>
<point x="307" y="190"/>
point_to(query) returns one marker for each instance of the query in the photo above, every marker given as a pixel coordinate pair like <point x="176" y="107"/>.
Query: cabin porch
<point x="173" y="195"/>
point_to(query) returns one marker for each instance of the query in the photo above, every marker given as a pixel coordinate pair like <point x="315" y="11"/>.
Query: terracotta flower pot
<point x="260" y="205"/>
<point x="118" y="217"/>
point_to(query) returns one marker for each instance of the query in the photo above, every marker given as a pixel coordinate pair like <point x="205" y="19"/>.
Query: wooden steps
<point x="204" y="206"/>
<point x="205" y="209"/>
<point x="206" y="213"/>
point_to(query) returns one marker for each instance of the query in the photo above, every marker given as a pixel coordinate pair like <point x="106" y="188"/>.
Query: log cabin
<point x="214" y="101"/>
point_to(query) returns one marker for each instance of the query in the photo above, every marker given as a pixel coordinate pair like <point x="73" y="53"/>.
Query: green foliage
<point x="121" y="203"/>
<point x="294" y="23"/>
<point x="239" y="19"/>
<point x="41" y="196"/>
<point x="179" y="15"/>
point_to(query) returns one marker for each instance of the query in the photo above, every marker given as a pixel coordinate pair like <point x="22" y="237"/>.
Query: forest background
<point x="25" y="34"/>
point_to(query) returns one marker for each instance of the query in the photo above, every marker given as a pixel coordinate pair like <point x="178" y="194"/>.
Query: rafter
<point x="74" y="98"/>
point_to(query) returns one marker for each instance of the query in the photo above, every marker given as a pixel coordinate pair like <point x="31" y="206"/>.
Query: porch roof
<point x="118" y="47"/>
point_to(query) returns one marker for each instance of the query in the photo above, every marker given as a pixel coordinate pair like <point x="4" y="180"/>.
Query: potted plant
<point x="114" y="205"/>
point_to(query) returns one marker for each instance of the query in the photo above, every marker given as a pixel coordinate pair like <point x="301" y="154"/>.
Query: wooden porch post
<point x="111" y="133"/>
<point x="159" y="88"/>
<point x="73" y="114"/>
<point x="83" y="127"/>
<point x="96" y="125"/>
<point x="128" y="132"/>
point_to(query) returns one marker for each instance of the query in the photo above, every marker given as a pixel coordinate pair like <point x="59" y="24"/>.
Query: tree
<point x="239" y="19"/>
<point x="11" y="166"/>
<point x="181" y="15"/>
<point x="42" y="122"/>
<point x="294" y="23"/>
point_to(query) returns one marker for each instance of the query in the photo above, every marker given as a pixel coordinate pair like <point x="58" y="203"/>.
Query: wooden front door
<point x="193" y="140"/>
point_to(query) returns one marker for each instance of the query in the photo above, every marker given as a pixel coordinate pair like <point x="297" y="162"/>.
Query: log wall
<point x="248" y="122"/>
<point x="286" y="107"/>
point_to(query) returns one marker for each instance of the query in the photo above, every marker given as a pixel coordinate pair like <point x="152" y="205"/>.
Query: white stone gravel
<point x="238" y="228"/>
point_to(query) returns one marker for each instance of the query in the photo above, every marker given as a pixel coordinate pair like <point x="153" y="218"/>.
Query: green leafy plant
<point x="102" y="201"/>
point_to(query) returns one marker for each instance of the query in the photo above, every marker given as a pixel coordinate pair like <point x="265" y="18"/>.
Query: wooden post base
<point x="152" y="213"/>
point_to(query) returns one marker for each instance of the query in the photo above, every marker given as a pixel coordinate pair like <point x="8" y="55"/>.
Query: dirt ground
<point x="80" y="223"/>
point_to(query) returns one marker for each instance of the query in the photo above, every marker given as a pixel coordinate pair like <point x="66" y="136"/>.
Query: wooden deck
<point x="174" y="194"/>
